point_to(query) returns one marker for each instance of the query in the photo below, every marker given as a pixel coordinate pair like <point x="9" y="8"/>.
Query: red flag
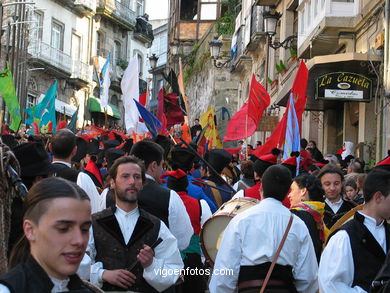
<point x="258" y="100"/>
<point x="142" y="99"/>
<point x="279" y="134"/>
<point x="236" y="128"/>
<point x="160" y="109"/>
<point x="174" y="114"/>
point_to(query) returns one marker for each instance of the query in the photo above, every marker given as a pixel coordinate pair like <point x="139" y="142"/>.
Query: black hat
<point x="113" y="143"/>
<point x="165" y="142"/>
<point x="112" y="154"/>
<point x="181" y="158"/>
<point x="177" y="180"/>
<point x="128" y="145"/>
<point x="9" y="140"/>
<point x="82" y="146"/>
<point x="33" y="159"/>
<point x="93" y="147"/>
<point x="218" y="159"/>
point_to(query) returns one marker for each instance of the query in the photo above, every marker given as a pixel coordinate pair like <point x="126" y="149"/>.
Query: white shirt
<point x="167" y="256"/>
<point x="337" y="269"/>
<point x="253" y="236"/>
<point x="335" y="206"/>
<point x="86" y="183"/>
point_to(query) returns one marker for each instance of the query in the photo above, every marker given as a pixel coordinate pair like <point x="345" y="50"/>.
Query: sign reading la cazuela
<point x="344" y="86"/>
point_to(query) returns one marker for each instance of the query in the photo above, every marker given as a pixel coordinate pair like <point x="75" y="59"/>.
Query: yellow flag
<point x="211" y="133"/>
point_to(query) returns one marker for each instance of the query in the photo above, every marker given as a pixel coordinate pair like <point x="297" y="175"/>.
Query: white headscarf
<point x="348" y="146"/>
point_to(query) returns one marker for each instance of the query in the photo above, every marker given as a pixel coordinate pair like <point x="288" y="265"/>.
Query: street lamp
<point x="174" y="49"/>
<point x="215" y="48"/>
<point x="153" y="61"/>
<point x="271" y="19"/>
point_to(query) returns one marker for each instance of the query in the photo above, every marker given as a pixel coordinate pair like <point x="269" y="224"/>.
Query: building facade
<point x="70" y="41"/>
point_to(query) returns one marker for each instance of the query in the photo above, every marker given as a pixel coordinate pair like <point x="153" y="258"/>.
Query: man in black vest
<point x="332" y="179"/>
<point x="123" y="237"/>
<point x="64" y="148"/>
<point x="356" y="252"/>
<point x="162" y="202"/>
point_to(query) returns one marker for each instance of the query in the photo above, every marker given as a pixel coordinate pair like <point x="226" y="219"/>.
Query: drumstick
<point x="204" y="183"/>
<point x="153" y="246"/>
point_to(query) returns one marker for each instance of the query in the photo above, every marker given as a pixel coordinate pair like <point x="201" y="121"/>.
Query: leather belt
<point x="259" y="283"/>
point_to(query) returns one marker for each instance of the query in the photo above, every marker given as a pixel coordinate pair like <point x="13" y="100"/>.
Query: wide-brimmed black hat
<point x="128" y="145"/>
<point x="82" y="146"/>
<point x="93" y="147"/>
<point x="33" y="159"/>
<point x="165" y="142"/>
<point x="182" y="158"/>
<point x="9" y="140"/>
<point x="113" y="143"/>
<point x="113" y="154"/>
<point x="218" y="159"/>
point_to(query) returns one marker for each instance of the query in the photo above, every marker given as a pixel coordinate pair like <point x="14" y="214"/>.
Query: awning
<point x="60" y="106"/>
<point x="94" y="105"/>
<point x="319" y="65"/>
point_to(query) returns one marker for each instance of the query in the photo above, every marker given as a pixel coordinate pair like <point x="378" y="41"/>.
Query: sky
<point x="157" y="9"/>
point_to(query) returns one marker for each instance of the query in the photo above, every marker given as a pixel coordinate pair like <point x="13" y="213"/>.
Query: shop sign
<point x="344" y="86"/>
<point x="267" y="123"/>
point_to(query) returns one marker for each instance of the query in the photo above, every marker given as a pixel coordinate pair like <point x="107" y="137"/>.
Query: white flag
<point x="130" y="91"/>
<point x="105" y="82"/>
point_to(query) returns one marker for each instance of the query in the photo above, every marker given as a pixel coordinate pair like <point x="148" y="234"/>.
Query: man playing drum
<point x="252" y="238"/>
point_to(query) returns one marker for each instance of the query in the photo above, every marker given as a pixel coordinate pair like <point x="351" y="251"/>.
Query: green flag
<point x="7" y="90"/>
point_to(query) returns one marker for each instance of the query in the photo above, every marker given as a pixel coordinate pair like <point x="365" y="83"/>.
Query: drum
<point x="213" y="228"/>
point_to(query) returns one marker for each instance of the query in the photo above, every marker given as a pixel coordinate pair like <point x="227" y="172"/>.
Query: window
<point x="117" y="51"/>
<point x="37" y="26"/>
<point x="140" y="64"/>
<point x="208" y="11"/>
<point x="140" y="7"/>
<point x="188" y="9"/>
<point x="99" y="44"/>
<point x="114" y="100"/>
<point x="57" y="35"/>
<point x="31" y="101"/>
<point x="76" y="47"/>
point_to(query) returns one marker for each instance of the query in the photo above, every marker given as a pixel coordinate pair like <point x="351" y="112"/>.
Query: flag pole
<point x="246" y="135"/>
<point x="105" y="118"/>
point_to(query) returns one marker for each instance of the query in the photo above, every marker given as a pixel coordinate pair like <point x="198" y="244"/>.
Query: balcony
<point x="328" y="18"/>
<point x="239" y="59"/>
<point x="143" y="31"/>
<point x="81" y="7"/>
<point x="81" y="73"/>
<point x="117" y="12"/>
<point x="84" y="7"/>
<point x="56" y="61"/>
<point x="258" y="35"/>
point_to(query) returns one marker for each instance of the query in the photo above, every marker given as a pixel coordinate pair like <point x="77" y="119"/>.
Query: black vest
<point x="29" y="277"/>
<point x="63" y="171"/>
<point x="330" y="218"/>
<point x="154" y="198"/>
<point x="368" y="255"/>
<point x="114" y="253"/>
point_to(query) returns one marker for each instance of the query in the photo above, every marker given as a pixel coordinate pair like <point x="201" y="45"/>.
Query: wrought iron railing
<point x="119" y="9"/>
<point x="51" y="55"/>
<point x="81" y="71"/>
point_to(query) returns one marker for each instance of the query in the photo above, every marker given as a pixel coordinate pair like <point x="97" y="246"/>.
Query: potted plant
<point x="281" y="68"/>
<point x="273" y="83"/>
<point x="293" y="55"/>
<point x="122" y="63"/>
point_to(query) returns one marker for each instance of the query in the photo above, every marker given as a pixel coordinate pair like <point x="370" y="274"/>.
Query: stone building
<point x="70" y="41"/>
<point x="345" y="47"/>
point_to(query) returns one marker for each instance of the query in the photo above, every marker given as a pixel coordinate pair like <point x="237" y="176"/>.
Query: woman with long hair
<point x="56" y="226"/>
<point x="307" y="202"/>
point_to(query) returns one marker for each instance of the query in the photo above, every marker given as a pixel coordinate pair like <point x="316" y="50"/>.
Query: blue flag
<point x="105" y="81"/>
<point x="45" y="111"/>
<point x="72" y="123"/>
<point x="292" y="142"/>
<point x="151" y="121"/>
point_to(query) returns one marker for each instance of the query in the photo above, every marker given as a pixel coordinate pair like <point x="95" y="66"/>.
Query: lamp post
<point x="153" y="61"/>
<point x="153" y="64"/>
<point x="215" y="48"/>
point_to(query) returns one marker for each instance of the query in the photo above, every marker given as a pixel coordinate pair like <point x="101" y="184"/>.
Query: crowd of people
<point x="105" y="212"/>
